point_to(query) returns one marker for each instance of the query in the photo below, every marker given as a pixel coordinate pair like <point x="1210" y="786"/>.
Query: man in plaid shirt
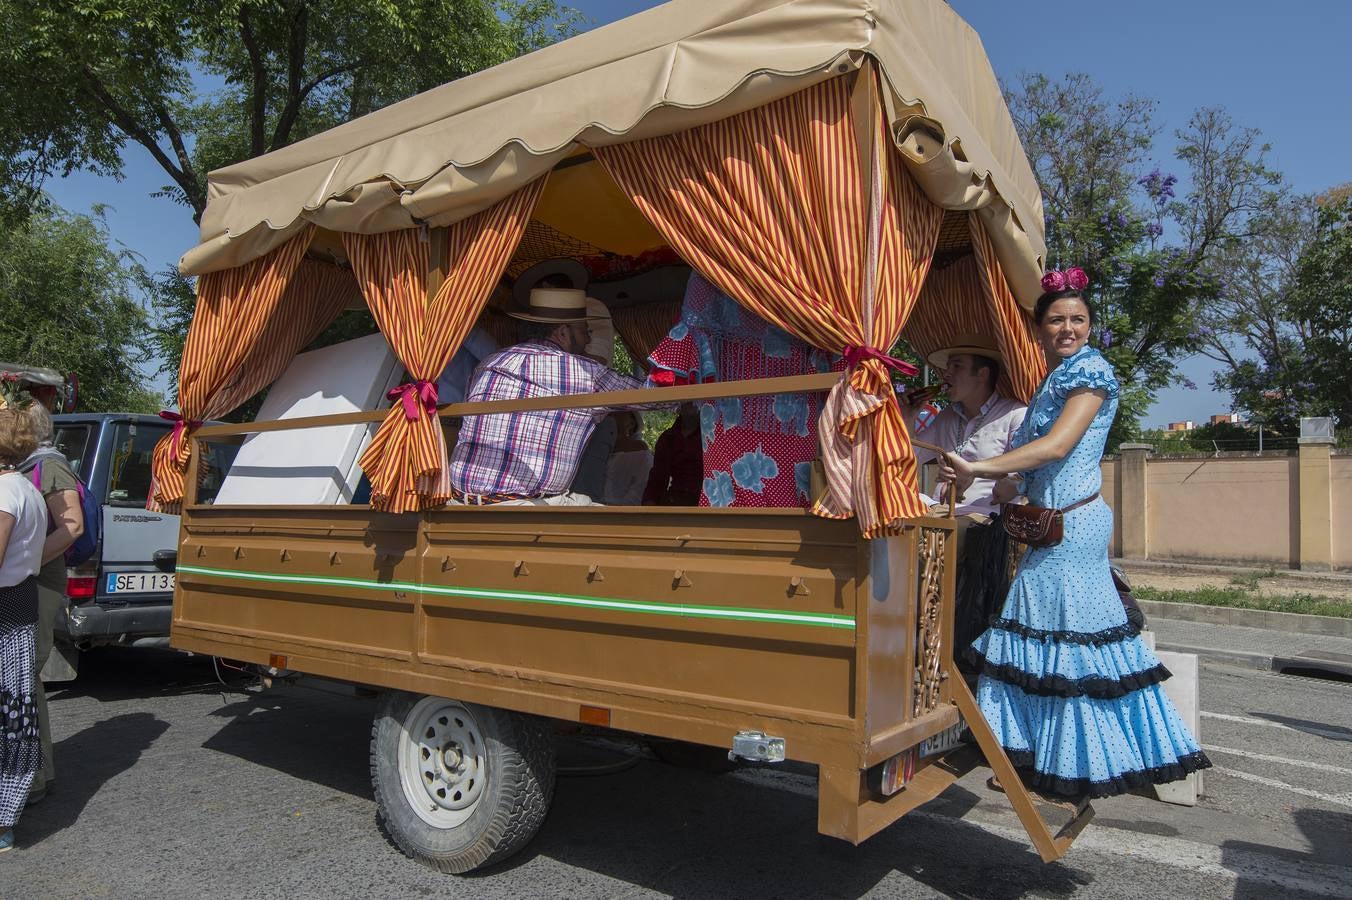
<point x="531" y="457"/>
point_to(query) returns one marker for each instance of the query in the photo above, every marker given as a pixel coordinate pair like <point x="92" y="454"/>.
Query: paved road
<point x="172" y="785"/>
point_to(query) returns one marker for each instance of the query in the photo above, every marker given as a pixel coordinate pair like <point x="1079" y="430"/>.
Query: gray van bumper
<point x="97" y="624"/>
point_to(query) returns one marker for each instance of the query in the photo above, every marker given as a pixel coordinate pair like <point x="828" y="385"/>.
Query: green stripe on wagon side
<point x="819" y="620"/>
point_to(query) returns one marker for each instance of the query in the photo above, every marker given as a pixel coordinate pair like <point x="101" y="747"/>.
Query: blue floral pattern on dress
<point x="791" y="413"/>
<point x="730" y="411"/>
<point x="752" y="469"/>
<point x="718" y="488"/>
<point x="708" y="424"/>
<point x="802" y="477"/>
<point x="777" y="344"/>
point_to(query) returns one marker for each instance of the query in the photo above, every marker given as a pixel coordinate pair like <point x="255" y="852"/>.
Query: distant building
<point x="1225" y="419"/>
<point x="1179" y="426"/>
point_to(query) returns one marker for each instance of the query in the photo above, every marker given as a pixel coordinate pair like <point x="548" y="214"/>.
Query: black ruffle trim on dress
<point x="1055" y="785"/>
<point x="1091" y="638"/>
<point x="1096" y="687"/>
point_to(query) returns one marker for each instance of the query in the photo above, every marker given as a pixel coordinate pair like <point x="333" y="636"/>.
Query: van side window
<point x="129" y="469"/>
<point x="73" y="441"/>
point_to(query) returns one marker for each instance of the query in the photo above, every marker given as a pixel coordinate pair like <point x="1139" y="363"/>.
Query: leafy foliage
<point x="1159" y="264"/>
<point x="114" y="72"/>
<point x="69" y="303"/>
<point x="1322" y="296"/>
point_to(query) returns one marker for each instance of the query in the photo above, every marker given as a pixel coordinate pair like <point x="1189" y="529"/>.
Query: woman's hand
<point x="1005" y="490"/>
<point x="955" y="469"/>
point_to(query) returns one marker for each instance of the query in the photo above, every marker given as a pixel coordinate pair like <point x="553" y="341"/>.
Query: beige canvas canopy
<point x="455" y="150"/>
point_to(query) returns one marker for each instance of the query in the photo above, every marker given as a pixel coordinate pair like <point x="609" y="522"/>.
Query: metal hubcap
<point x="442" y="761"/>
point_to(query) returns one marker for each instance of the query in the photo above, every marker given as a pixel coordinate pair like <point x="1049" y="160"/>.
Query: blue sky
<point x="1284" y="68"/>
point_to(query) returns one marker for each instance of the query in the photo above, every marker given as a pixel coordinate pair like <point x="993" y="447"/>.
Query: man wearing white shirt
<point x="979" y="423"/>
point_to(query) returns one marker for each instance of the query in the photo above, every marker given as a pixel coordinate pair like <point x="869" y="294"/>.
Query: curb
<point x="1337" y="665"/>
<point x="1260" y="661"/>
<point x="1310" y="577"/>
<point x="1295" y="623"/>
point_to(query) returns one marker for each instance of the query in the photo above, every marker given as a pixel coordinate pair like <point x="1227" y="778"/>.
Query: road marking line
<point x="1235" y="865"/>
<point x="1249" y="720"/>
<point x="1302" y="763"/>
<point x="1339" y="799"/>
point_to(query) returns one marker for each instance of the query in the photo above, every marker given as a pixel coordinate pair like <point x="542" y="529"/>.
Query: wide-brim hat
<point x="974" y="344"/>
<point x="570" y="270"/>
<point x="555" y="305"/>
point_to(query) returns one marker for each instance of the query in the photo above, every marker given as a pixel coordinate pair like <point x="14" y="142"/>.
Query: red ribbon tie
<point x="180" y="425"/>
<point x="420" y="393"/>
<point x="857" y="353"/>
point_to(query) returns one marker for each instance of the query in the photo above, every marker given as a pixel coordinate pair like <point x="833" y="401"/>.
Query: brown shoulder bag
<point x="1038" y="526"/>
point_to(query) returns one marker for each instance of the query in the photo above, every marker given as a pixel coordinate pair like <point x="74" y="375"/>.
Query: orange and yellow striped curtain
<point x="406" y="460"/>
<point x="643" y="326"/>
<point x="248" y="324"/>
<point x="770" y="206"/>
<point x="1025" y="363"/>
<point x="952" y="303"/>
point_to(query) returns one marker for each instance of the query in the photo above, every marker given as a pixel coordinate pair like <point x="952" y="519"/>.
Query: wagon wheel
<point x="459" y="786"/>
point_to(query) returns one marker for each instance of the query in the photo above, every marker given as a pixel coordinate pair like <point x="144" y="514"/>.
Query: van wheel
<point x="459" y="786"/>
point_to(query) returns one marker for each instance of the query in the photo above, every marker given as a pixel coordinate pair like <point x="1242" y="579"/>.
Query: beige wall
<point x="1240" y="509"/>
<point x="1340" y="476"/>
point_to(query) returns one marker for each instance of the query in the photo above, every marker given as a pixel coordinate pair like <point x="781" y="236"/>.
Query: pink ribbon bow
<point x="856" y="354"/>
<point x="414" y="394"/>
<point x="180" y="425"/>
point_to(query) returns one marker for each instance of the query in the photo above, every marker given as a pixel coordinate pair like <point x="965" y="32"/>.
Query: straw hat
<point x="974" y="344"/>
<point x="569" y="270"/>
<point x="557" y="305"/>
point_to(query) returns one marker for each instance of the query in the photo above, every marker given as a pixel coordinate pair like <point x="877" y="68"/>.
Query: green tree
<point x="69" y="303"/>
<point x="83" y="80"/>
<point x="1322" y="296"/>
<point x="1158" y="263"/>
<point x="1103" y="214"/>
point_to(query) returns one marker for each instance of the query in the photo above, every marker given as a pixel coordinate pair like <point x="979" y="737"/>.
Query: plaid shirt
<point x="530" y="454"/>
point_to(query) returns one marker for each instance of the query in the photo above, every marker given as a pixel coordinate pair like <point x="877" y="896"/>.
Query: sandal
<point x="7" y="840"/>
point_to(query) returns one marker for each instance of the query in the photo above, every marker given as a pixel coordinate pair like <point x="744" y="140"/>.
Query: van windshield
<point x="129" y="474"/>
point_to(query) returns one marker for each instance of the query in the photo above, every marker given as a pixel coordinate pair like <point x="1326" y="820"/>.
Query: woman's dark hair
<point x="1046" y="300"/>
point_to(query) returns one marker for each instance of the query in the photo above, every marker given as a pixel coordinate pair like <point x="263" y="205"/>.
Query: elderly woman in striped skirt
<point x="23" y="520"/>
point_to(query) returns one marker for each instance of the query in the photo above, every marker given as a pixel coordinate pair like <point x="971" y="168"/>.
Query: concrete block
<point x="1182" y="689"/>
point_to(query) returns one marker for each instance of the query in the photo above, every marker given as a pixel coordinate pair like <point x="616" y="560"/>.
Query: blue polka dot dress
<point x="1069" y="688"/>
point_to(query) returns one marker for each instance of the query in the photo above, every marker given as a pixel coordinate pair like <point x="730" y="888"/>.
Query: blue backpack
<point x="90" y="509"/>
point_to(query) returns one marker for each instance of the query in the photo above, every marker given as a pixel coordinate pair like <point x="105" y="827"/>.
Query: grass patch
<point x="1240" y="595"/>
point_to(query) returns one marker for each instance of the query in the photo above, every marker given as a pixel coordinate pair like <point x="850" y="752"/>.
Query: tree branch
<point x="295" y="68"/>
<point x="259" y="98"/>
<point x="185" y="178"/>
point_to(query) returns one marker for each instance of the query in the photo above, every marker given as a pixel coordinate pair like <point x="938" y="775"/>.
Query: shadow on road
<point x="304" y="733"/>
<point x="124" y="673"/>
<point x="694" y="835"/>
<point x="1328" y="832"/>
<point x="86" y="761"/>
<point x="1322" y="729"/>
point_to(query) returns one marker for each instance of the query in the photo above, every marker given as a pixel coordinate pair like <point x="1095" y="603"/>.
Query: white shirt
<point x="627" y="476"/>
<point x="989" y="433"/>
<point x="23" y="554"/>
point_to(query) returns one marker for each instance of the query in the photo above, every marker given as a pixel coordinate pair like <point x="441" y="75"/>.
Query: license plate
<point x="139" y="582"/>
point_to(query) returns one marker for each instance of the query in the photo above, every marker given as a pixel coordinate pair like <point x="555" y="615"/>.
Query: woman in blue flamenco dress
<point x="1067" y="685"/>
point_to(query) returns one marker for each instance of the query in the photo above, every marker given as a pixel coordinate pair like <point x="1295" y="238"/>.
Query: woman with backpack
<point x="51" y="473"/>
<point x="23" y="522"/>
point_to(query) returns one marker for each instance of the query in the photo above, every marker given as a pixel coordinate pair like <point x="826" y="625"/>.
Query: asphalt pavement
<point x="171" y="783"/>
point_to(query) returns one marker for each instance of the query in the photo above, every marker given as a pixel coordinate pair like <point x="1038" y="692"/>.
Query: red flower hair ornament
<point x="1072" y="279"/>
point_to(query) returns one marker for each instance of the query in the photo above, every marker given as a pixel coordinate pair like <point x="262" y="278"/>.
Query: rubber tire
<point x="520" y="751"/>
<point x="697" y="757"/>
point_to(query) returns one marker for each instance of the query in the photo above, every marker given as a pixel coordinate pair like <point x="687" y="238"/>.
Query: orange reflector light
<point x="594" y="715"/>
<point x="277" y="661"/>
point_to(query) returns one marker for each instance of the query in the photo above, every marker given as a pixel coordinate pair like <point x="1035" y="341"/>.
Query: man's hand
<point x="912" y="402"/>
